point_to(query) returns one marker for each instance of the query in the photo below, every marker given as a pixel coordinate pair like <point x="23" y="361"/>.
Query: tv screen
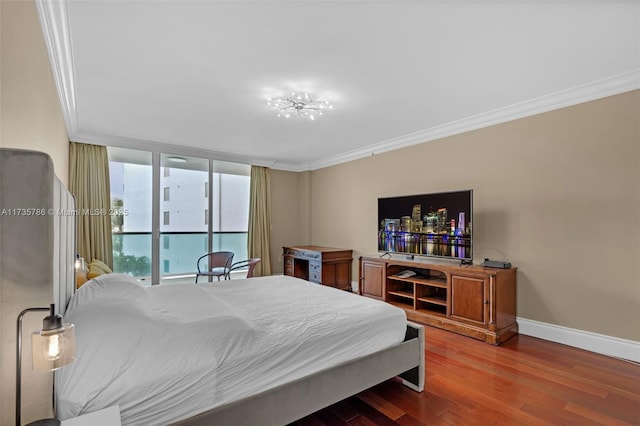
<point x="437" y="225"/>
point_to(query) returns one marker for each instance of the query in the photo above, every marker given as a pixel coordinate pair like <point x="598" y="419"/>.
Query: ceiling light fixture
<point x="177" y="159"/>
<point x="303" y="105"/>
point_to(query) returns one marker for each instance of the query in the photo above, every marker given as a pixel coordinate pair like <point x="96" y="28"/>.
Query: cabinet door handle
<point x="486" y="302"/>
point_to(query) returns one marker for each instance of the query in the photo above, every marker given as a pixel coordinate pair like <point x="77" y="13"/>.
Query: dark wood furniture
<point x="322" y="265"/>
<point x="471" y="300"/>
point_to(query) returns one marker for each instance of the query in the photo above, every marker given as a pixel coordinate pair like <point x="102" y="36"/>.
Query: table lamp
<point x="52" y="347"/>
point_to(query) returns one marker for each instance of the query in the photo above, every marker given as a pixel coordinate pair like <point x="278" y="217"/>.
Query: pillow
<point x="97" y="268"/>
<point x="81" y="278"/>
<point x="94" y="272"/>
<point x="97" y="263"/>
<point x="118" y="287"/>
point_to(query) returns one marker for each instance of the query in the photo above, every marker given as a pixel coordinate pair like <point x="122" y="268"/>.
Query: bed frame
<point x="317" y="391"/>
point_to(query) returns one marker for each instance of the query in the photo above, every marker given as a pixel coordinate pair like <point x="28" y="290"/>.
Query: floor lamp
<point x="52" y="347"/>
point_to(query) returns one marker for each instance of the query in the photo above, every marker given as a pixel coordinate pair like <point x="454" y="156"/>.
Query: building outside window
<point x="130" y="174"/>
<point x="190" y="223"/>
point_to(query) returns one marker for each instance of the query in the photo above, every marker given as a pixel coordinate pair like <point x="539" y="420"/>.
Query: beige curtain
<point x="89" y="182"/>
<point x="259" y="235"/>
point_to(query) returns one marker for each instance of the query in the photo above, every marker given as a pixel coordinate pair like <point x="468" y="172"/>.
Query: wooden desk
<point x="322" y="265"/>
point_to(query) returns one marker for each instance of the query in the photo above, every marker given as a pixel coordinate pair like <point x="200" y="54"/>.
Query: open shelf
<point x="400" y="302"/>
<point x="397" y="278"/>
<point x="425" y="292"/>
<point x="402" y="293"/>
<point x="433" y="300"/>
<point x="435" y="282"/>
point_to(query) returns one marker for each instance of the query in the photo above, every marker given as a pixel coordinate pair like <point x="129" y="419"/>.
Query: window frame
<point x="160" y="191"/>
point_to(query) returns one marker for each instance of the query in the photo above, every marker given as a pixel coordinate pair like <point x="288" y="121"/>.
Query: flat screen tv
<point x="433" y="225"/>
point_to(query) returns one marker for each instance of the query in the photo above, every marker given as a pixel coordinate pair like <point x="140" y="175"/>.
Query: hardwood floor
<point x="525" y="381"/>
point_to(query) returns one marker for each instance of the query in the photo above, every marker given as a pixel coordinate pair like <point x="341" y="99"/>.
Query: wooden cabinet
<point x="372" y="279"/>
<point x="472" y="300"/>
<point x="321" y="265"/>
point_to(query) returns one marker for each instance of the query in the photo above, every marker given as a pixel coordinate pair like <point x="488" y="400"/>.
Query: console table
<point x="321" y="265"/>
<point x="471" y="300"/>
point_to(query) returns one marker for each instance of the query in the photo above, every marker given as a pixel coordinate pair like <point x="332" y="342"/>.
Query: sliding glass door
<point x="178" y="208"/>
<point x="184" y="214"/>
<point x="230" y="206"/>
<point x="130" y="175"/>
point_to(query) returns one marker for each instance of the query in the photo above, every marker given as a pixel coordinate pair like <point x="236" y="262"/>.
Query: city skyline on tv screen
<point x="438" y="224"/>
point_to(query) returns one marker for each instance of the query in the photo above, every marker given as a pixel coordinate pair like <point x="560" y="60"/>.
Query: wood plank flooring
<point x="525" y="381"/>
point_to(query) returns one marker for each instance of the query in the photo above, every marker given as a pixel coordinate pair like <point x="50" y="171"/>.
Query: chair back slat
<point x="215" y="264"/>
<point x="219" y="259"/>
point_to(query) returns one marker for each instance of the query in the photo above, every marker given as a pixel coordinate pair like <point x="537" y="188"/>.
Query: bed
<point x="259" y="351"/>
<point x="367" y="353"/>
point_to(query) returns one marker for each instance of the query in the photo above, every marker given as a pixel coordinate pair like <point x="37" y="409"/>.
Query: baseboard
<point x="593" y="342"/>
<point x="598" y="343"/>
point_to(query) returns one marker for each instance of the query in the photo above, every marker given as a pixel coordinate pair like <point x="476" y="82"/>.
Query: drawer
<point x="303" y="254"/>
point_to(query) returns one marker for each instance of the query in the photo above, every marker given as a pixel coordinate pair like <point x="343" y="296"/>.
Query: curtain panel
<point x="89" y="183"/>
<point x="259" y="232"/>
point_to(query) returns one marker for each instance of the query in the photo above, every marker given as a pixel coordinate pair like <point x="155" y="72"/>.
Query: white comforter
<point x="168" y="352"/>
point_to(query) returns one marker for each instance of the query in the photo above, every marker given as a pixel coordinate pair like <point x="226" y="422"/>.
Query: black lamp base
<point x="45" y="422"/>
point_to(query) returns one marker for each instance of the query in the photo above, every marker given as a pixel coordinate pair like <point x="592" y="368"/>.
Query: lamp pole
<point x="19" y="357"/>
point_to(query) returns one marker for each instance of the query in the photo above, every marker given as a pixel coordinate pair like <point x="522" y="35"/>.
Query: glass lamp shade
<point x="79" y="264"/>
<point x="52" y="349"/>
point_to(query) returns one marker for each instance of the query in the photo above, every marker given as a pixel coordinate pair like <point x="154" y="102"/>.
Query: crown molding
<point x="165" y="148"/>
<point x="588" y="92"/>
<point x="57" y="36"/>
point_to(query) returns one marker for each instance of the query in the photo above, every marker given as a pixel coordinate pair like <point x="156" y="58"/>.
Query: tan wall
<point x="557" y="194"/>
<point x="30" y="118"/>
<point x="290" y="214"/>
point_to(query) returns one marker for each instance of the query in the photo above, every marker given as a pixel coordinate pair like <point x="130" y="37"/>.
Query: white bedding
<point x="168" y="352"/>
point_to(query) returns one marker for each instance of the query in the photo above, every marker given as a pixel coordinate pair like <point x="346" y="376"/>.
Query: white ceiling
<point x="197" y="74"/>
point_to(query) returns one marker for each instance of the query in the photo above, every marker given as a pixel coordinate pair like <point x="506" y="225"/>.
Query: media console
<point x="472" y="300"/>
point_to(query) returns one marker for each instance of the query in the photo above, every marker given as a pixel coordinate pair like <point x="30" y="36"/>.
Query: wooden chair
<point x="250" y="264"/>
<point x="216" y="264"/>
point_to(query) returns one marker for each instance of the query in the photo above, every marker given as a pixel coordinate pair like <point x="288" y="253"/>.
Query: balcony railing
<point x="179" y="251"/>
